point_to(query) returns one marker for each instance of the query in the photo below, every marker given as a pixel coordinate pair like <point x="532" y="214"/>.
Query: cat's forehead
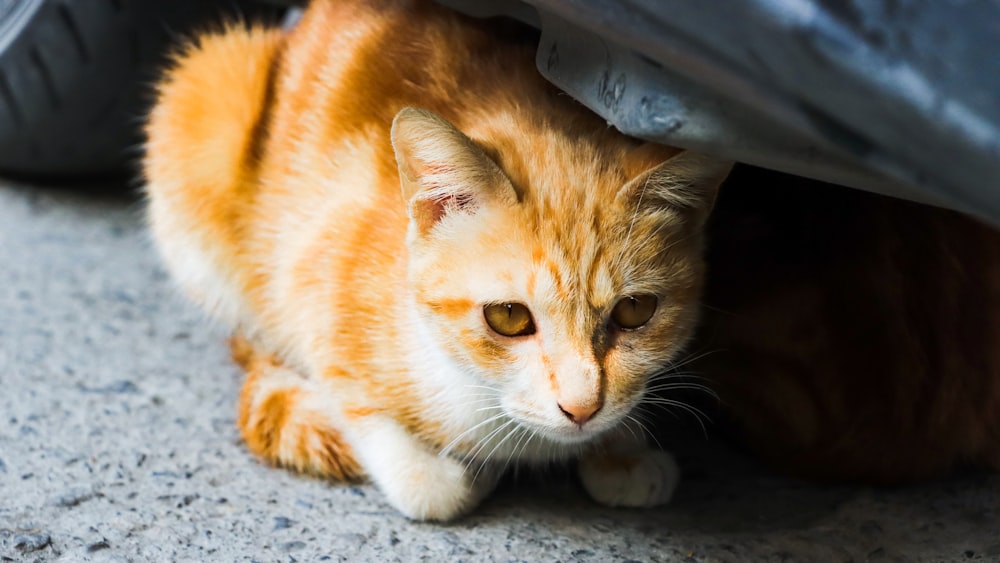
<point x="586" y="256"/>
<point x="584" y="244"/>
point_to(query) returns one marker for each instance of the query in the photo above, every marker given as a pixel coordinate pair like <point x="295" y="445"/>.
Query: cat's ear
<point x="442" y="171"/>
<point x="687" y="182"/>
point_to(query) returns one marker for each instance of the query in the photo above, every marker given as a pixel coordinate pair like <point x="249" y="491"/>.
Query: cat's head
<point x="562" y="278"/>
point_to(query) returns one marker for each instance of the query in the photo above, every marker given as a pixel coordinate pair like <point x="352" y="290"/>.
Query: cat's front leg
<point x="417" y="481"/>
<point x="624" y="471"/>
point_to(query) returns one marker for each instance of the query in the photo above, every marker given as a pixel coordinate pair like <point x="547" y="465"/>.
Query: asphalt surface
<point x="118" y="443"/>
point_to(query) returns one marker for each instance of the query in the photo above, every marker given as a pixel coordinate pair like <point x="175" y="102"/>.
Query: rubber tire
<point x="75" y="78"/>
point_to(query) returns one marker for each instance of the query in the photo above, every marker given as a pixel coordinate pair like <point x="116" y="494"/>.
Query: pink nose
<point x="579" y="414"/>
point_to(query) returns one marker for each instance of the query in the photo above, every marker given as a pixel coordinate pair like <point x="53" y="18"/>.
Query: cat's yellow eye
<point x="509" y="319"/>
<point x="634" y="311"/>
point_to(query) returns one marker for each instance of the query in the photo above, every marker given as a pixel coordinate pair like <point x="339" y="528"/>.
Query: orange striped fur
<point x="279" y="426"/>
<point x="350" y="197"/>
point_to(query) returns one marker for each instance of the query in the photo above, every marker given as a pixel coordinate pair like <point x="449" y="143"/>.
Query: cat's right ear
<point x="441" y="171"/>
<point x="684" y="181"/>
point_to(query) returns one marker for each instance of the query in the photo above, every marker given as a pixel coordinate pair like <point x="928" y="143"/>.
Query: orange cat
<point x="853" y="336"/>
<point x="439" y="265"/>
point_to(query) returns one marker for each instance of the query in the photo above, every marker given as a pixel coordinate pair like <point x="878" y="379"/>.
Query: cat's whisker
<point x="698" y="414"/>
<point x="447" y="449"/>
<point x="513" y="451"/>
<point x="673" y="374"/>
<point x="691" y="358"/>
<point x="676" y="386"/>
<point x="678" y="380"/>
<point x="629" y="428"/>
<point x="659" y="381"/>
<point x="517" y="453"/>
<point x="474" y="456"/>
<point x="477" y="392"/>
<point x="481" y="396"/>
<point x="673" y="403"/>
<point x="477" y="401"/>
<point x="484" y="442"/>
<point x="494" y="390"/>
<point x="503" y="440"/>
<point x="480" y="400"/>
<point x="532" y="436"/>
<point x="636" y="417"/>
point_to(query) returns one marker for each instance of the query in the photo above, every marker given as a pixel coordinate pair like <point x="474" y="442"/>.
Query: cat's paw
<point x="441" y="490"/>
<point x="415" y="479"/>
<point x="641" y="479"/>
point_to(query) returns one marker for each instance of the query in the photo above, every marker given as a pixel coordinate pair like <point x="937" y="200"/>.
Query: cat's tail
<point x="207" y="121"/>
<point x="283" y="421"/>
<point x="203" y="141"/>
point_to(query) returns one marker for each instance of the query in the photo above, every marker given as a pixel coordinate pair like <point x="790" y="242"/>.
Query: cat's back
<point x="351" y="66"/>
<point x="346" y="70"/>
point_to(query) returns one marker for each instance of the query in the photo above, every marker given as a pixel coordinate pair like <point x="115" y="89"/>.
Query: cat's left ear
<point x="441" y="171"/>
<point x="687" y="182"/>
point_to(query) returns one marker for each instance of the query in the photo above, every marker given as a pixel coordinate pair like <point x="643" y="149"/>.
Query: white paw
<point x="646" y="478"/>
<point x="418" y="482"/>
<point x="438" y="489"/>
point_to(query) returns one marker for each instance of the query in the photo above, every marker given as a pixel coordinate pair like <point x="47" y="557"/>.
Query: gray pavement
<point x="117" y="443"/>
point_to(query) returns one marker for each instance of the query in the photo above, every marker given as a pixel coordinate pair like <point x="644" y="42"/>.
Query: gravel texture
<point x="117" y="443"/>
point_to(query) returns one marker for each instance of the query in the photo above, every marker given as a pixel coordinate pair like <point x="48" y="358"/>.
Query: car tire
<point x="75" y="78"/>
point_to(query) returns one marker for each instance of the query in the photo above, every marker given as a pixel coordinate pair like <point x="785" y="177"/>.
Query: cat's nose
<point x="579" y="414"/>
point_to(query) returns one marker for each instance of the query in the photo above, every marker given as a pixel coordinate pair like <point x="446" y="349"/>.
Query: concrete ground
<point x="117" y="443"/>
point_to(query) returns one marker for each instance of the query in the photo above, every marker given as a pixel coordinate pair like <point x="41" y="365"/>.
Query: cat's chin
<point x="573" y="436"/>
<point x="575" y="439"/>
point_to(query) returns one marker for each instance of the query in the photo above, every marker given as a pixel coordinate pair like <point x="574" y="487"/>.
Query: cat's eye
<point x="509" y="319"/>
<point x="634" y="311"/>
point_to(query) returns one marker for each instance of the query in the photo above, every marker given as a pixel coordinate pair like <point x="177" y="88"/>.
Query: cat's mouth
<point x="557" y="426"/>
<point x="569" y="434"/>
